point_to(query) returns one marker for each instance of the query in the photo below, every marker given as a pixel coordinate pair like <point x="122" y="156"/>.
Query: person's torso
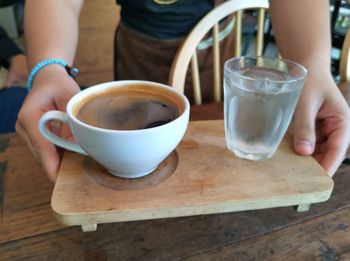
<point x="163" y="19"/>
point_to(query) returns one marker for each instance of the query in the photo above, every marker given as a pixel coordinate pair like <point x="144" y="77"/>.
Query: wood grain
<point x="101" y="176"/>
<point x="208" y="179"/>
<point x="28" y="230"/>
<point x="208" y="111"/>
<point x="322" y="238"/>
<point x="89" y="79"/>
<point x="41" y="237"/>
<point x="95" y="52"/>
<point x="99" y="15"/>
<point x="181" y="238"/>
<point x="94" y="56"/>
<point x="26" y="193"/>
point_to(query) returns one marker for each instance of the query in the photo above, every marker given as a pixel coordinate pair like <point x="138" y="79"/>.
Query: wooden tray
<point x="203" y="177"/>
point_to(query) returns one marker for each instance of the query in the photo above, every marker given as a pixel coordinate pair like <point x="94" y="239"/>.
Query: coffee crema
<point x="132" y="107"/>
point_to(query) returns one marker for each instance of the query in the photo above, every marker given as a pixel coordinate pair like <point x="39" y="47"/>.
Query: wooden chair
<point x="210" y="21"/>
<point x="344" y="70"/>
<point x="345" y="60"/>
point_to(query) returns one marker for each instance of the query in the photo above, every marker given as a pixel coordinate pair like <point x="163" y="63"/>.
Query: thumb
<point x="304" y="136"/>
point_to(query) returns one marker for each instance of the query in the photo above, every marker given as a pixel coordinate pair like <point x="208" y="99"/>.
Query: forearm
<point x="51" y="29"/>
<point x="302" y="31"/>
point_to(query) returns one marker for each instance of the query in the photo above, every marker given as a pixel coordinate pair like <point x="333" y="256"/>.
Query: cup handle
<point x="50" y="136"/>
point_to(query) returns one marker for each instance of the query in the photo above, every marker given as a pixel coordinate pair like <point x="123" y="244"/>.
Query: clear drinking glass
<point x="260" y="96"/>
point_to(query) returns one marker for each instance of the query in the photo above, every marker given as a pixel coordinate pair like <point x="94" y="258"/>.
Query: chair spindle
<point x="260" y="32"/>
<point x="216" y="64"/>
<point x="238" y="33"/>
<point x="197" y="95"/>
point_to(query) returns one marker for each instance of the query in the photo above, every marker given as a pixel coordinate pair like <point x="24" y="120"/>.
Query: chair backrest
<point x="345" y="60"/>
<point x="210" y="21"/>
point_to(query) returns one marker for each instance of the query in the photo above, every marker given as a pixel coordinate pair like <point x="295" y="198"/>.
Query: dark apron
<point x="140" y="57"/>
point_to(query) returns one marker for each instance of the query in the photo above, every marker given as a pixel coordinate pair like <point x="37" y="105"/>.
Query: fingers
<point x="44" y="151"/>
<point x="304" y="139"/>
<point x="27" y="127"/>
<point x="322" y="115"/>
<point x="304" y="136"/>
<point x="335" y="148"/>
<point x="53" y="88"/>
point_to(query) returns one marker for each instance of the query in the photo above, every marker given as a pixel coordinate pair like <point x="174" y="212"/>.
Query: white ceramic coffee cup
<point x="124" y="153"/>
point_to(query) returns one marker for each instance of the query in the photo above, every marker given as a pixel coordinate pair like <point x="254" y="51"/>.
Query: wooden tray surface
<point x="208" y="179"/>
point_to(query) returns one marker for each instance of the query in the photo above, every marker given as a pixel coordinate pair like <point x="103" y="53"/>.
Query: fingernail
<point x="306" y="144"/>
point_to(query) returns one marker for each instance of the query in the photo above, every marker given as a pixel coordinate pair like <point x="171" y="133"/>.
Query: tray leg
<point x="89" y="227"/>
<point x="303" y="207"/>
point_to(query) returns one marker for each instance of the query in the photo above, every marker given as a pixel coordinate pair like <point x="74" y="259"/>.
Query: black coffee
<point x="128" y="108"/>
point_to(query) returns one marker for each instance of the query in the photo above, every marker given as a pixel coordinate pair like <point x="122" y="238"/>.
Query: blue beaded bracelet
<point x="72" y="71"/>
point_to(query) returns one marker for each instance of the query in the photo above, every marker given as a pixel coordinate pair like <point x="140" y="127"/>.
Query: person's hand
<point x="51" y="91"/>
<point x="321" y="124"/>
<point x="18" y="71"/>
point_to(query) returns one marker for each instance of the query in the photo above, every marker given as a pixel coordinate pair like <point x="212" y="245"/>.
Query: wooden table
<point x="28" y="230"/>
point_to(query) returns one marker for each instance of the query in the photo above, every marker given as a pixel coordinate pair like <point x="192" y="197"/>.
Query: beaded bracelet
<point x="72" y="71"/>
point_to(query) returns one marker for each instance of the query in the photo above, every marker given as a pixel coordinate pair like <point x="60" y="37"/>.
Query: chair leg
<point x="303" y="207"/>
<point x="89" y="227"/>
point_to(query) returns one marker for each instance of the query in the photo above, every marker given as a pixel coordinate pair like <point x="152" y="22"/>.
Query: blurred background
<point x="98" y="21"/>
